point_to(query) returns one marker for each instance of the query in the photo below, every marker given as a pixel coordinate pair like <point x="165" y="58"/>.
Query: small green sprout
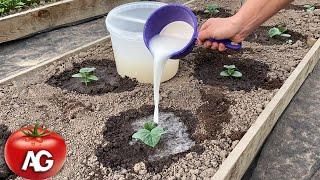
<point x="309" y="7"/>
<point x="86" y="75"/>
<point x="150" y="134"/>
<point x="212" y="9"/>
<point x="278" y="32"/>
<point x="230" y="70"/>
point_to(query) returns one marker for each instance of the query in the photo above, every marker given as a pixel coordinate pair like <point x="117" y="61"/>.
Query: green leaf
<point x="274" y="32"/>
<point x="149" y="125"/>
<point x="212" y="9"/>
<point x="237" y="74"/>
<point x="93" y="77"/>
<point x="156" y="134"/>
<point x="224" y="74"/>
<point x="150" y="138"/>
<point x="87" y="70"/>
<point x="79" y="75"/>
<point x="141" y="134"/>
<point x="20" y="3"/>
<point x="282" y="29"/>
<point x="309" y="7"/>
<point x="230" y="71"/>
<point x="229" y="66"/>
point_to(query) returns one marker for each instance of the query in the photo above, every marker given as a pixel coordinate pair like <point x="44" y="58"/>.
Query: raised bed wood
<point x="236" y="163"/>
<point x="53" y="15"/>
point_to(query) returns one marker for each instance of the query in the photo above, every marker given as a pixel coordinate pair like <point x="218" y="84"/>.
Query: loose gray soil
<point x="213" y="112"/>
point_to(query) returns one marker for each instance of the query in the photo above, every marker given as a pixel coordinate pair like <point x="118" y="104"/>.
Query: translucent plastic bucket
<point x="133" y="59"/>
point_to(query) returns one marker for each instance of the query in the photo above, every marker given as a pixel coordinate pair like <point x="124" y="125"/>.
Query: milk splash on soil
<point x="173" y="37"/>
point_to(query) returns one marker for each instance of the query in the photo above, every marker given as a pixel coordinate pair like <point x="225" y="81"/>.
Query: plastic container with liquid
<point x="133" y="59"/>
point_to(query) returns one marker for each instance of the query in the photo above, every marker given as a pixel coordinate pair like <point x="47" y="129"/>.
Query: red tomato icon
<point x="35" y="153"/>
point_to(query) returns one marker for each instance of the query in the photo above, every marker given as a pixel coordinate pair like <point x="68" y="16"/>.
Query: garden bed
<point x="52" y="15"/>
<point x="222" y="121"/>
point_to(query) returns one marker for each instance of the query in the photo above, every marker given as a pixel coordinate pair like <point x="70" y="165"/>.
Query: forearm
<point x="254" y="12"/>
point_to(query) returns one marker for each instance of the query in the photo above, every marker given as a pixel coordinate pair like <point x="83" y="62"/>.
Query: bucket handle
<point x="228" y="43"/>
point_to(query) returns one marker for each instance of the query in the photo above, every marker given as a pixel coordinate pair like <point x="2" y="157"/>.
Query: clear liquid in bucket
<point x="173" y="37"/>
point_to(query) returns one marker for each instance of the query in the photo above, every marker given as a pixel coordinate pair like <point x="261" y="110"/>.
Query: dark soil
<point x="116" y="152"/>
<point x="117" y="134"/>
<point x="210" y="64"/>
<point x="204" y="15"/>
<point x="260" y="36"/>
<point x="213" y="113"/>
<point x="109" y="79"/>
<point x="236" y="135"/>
<point x="5" y="172"/>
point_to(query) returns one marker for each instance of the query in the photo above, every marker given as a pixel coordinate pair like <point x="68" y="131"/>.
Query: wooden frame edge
<point x="51" y="16"/>
<point x="33" y="10"/>
<point x="242" y="155"/>
<point x="48" y="62"/>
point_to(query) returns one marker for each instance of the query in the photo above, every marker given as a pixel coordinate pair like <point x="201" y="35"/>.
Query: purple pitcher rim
<point x="195" y="27"/>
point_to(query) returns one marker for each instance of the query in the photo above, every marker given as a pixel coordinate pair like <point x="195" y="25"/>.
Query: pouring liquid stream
<point x="173" y="37"/>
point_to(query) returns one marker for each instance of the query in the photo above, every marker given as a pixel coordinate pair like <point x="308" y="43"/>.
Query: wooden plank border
<point x="242" y="155"/>
<point x="53" y="15"/>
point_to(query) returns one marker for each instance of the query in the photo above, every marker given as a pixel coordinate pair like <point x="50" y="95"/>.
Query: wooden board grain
<point x="240" y="158"/>
<point x="53" y="15"/>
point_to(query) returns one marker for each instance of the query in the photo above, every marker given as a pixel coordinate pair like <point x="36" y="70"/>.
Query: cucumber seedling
<point x="86" y="75"/>
<point x="230" y="71"/>
<point x="150" y="134"/>
<point x="278" y="32"/>
<point x="212" y="9"/>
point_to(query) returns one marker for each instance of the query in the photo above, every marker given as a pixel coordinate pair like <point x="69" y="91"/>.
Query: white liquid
<point x="173" y="37"/>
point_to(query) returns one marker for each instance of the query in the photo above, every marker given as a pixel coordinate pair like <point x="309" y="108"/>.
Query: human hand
<point x="220" y="28"/>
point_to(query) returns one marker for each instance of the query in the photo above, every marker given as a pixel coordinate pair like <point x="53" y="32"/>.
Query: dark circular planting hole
<point x="5" y="172"/>
<point x="209" y="65"/>
<point x="109" y="79"/>
<point x="118" y="150"/>
<point x="261" y="36"/>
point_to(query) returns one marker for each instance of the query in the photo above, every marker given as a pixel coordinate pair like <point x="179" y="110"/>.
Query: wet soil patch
<point x="109" y="79"/>
<point x="116" y="152"/>
<point x="260" y="36"/>
<point x="209" y="65"/>
<point x="223" y="13"/>
<point x="5" y="172"/>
